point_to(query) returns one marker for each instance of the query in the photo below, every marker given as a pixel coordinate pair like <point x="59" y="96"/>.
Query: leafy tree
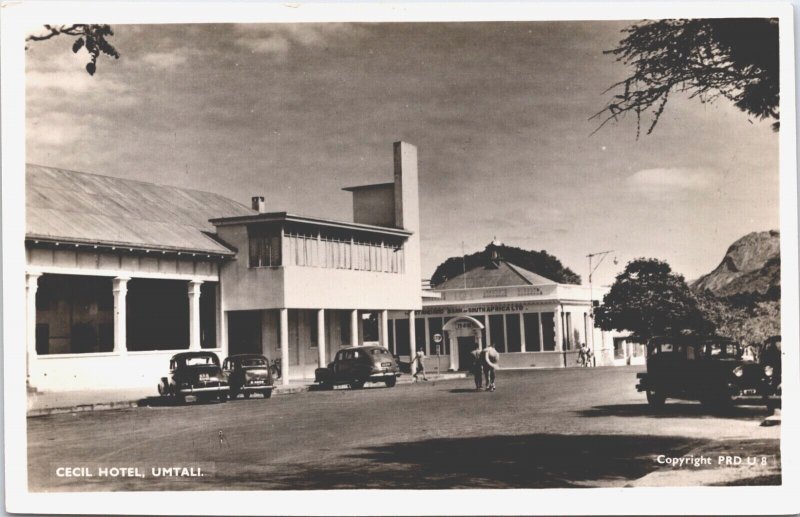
<point x="748" y="318"/>
<point x="539" y="262"/>
<point x="733" y="58"/>
<point x="648" y="299"/>
<point x="92" y="37"/>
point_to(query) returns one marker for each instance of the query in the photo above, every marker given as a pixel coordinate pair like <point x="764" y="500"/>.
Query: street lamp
<point x="590" y="256"/>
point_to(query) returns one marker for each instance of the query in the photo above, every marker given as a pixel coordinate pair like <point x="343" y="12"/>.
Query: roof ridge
<point x="515" y="269"/>
<point x="143" y="182"/>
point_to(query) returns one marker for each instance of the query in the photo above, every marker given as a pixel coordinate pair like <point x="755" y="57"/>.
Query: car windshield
<point x="380" y="353"/>
<point x="199" y="361"/>
<point x="254" y="363"/>
<point x="722" y="349"/>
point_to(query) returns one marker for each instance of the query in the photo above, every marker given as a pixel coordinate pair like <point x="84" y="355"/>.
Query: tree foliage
<point x="540" y="262"/>
<point x="733" y="58"/>
<point x="648" y="299"/>
<point x="94" y="38"/>
<point x="748" y="318"/>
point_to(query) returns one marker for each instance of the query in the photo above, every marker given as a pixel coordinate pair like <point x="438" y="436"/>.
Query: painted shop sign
<point x="475" y="309"/>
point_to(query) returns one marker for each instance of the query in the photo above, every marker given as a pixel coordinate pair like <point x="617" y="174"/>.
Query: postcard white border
<point x="16" y="17"/>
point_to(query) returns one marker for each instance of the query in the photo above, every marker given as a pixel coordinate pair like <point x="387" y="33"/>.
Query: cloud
<point x="163" y="60"/>
<point x="277" y="40"/>
<point x="672" y="179"/>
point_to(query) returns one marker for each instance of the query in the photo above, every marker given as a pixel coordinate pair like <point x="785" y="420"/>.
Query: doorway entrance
<point x="466" y="345"/>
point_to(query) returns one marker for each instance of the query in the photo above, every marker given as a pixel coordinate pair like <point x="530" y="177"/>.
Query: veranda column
<point x="412" y="332"/>
<point x="488" y="332"/>
<point x="427" y="337"/>
<point x="354" y="327"/>
<point x="194" y="314"/>
<point x="284" y="325"/>
<point x="384" y="329"/>
<point x="522" y="346"/>
<point x="120" y="290"/>
<point x="453" y="349"/>
<point x="557" y="316"/>
<point x="31" y="286"/>
<point x="321" y="338"/>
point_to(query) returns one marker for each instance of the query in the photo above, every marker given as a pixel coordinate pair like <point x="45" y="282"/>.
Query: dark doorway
<point x="465" y="346"/>
<point x="244" y="332"/>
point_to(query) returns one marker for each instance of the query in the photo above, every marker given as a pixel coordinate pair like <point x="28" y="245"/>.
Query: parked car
<point x="710" y="370"/>
<point x="197" y="374"/>
<point x="358" y="365"/>
<point x="248" y="373"/>
<point x="770" y="359"/>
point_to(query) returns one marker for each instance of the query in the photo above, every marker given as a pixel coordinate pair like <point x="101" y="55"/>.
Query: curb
<point x="127" y="404"/>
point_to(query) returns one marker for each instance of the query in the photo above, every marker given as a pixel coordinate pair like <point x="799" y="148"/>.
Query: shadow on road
<point x="526" y="461"/>
<point x="680" y="410"/>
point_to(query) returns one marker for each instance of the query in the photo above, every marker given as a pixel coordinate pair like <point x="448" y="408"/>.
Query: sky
<point x="500" y="113"/>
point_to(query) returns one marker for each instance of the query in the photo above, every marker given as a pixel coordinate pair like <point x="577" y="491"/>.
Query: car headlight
<point x="738" y="371"/>
<point x="768" y="371"/>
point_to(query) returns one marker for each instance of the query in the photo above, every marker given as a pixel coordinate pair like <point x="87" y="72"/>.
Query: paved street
<point x="540" y="429"/>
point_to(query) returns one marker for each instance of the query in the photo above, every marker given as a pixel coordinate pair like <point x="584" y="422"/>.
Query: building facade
<point x="122" y="274"/>
<point x="532" y="321"/>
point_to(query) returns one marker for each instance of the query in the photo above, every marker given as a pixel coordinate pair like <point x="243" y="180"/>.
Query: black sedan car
<point x="247" y="374"/>
<point x="710" y="370"/>
<point x="197" y="374"/>
<point x="357" y="365"/>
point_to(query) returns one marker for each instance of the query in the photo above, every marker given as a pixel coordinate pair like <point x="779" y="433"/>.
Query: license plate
<point x="749" y="391"/>
<point x="257" y="381"/>
<point x="203" y="376"/>
<point x="386" y="364"/>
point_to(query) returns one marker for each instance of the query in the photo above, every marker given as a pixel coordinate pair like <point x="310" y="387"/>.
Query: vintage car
<point x="358" y="365"/>
<point x="710" y="370"/>
<point x="197" y="374"/>
<point x="248" y="373"/>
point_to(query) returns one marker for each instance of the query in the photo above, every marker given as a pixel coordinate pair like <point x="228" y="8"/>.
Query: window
<point x="497" y="332"/>
<point x="548" y="331"/>
<point x="532" y="343"/>
<point x="513" y="337"/>
<point x="344" y="327"/>
<point x="208" y="315"/>
<point x="402" y="340"/>
<point x="158" y="315"/>
<point x="265" y="250"/>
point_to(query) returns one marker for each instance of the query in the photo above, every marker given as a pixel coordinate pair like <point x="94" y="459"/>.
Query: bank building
<point x="532" y="321"/>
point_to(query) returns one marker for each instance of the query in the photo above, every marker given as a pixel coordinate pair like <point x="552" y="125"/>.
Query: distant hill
<point x="752" y="265"/>
<point x="539" y="262"/>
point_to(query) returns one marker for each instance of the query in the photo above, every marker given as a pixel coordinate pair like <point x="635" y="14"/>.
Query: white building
<point x="122" y="274"/>
<point x="533" y="322"/>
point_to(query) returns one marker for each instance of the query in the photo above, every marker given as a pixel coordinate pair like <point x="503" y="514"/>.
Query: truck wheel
<point x="391" y="381"/>
<point x="655" y="399"/>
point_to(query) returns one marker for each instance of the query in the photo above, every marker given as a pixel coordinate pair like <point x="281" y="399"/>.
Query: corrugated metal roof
<point x="499" y="274"/>
<point x="78" y="207"/>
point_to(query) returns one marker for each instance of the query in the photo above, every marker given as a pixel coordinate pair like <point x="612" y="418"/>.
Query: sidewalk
<point x="49" y="403"/>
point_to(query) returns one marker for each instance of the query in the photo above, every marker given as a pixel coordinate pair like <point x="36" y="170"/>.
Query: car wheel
<point x="357" y="384"/>
<point x="655" y="399"/>
<point x="391" y="381"/>
<point x="267" y="394"/>
<point x="247" y="394"/>
<point x="223" y="397"/>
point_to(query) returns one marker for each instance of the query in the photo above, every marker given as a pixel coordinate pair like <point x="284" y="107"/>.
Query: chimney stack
<point x="258" y="204"/>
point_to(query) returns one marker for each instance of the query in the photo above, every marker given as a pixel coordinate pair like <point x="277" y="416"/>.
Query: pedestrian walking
<point x="491" y="362"/>
<point x="477" y="366"/>
<point x="420" y="365"/>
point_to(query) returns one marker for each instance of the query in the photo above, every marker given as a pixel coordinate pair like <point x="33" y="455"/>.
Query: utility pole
<point x="590" y="256"/>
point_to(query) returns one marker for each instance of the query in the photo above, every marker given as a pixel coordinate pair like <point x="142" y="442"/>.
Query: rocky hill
<point x="752" y="264"/>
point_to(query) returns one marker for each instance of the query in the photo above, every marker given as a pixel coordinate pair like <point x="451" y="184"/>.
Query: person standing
<point x="420" y="365"/>
<point x="491" y="362"/>
<point x="477" y="365"/>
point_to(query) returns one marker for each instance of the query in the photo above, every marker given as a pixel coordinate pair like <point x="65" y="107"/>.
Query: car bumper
<point x="382" y="376"/>
<point x="257" y="387"/>
<point x="204" y="389"/>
